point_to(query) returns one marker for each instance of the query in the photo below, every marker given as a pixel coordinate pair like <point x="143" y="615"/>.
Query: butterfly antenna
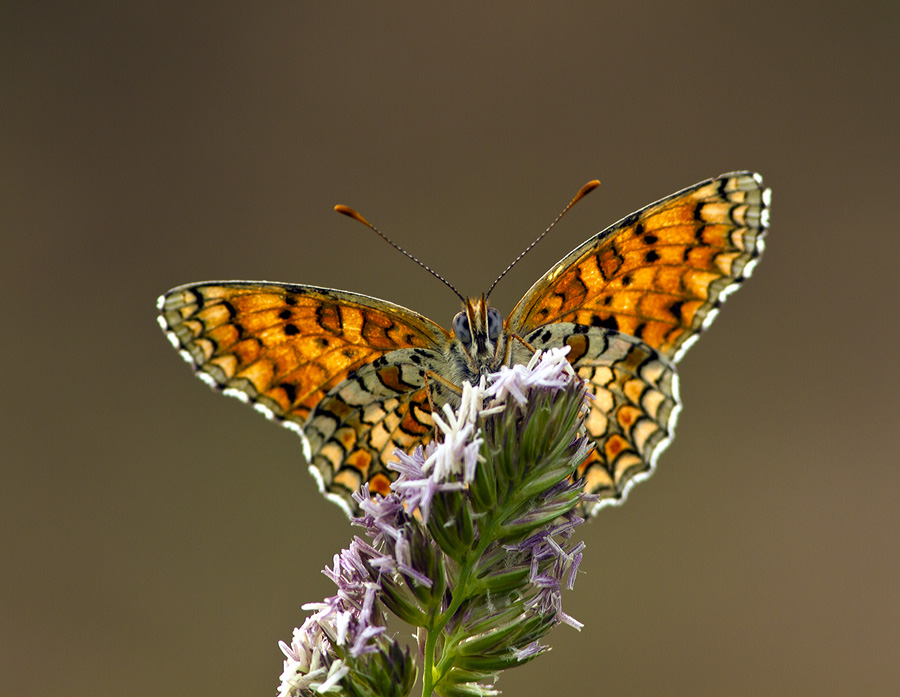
<point x="350" y="213"/>
<point x="584" y="191"/>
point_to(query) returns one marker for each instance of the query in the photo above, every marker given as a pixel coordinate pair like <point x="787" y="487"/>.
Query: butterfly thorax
<point x="479" y="342"/>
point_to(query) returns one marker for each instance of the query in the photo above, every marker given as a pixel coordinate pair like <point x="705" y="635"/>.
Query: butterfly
<point x="357" y="377"/>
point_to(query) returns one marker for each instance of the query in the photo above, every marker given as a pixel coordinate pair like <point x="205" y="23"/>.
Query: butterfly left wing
<point x="630" y="301"/>
<point x="661" y="273"/>
<point x="283" y="347"/>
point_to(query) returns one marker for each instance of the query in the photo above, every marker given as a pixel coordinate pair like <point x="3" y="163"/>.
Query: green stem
<point x="460" y="594"/>
<point x="427" y="673"/>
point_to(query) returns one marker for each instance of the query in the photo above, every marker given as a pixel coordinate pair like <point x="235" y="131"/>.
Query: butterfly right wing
<point x="284" y="347"/>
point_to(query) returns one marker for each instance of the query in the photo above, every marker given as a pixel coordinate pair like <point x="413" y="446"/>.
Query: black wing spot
<point x="675" y="309"/>
<point x="698" y="208"/>
<point x="231" y="311"/>
<point x="650" y="239"/>
<point x="651" y="256"/>
<point x="290" y="391"/>
<point x="290" y="300"/>
<point x="581" y="328"/>
<point x="608" y="323"/>
<point x="545" y="337"/>
<point x="199" y="298"/>
<point x="731" y="211"/>
<point x="627" y="280"/>
<point x="285" y="314"/>
<point x="322" y="341"/>
<point x="607" y="300"/>
<point x="348" y="352"/>
<point x="291" y="329"/>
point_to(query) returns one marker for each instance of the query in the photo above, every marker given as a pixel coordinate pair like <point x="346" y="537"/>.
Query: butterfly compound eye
<point x="461" y="328"/>
<point x="494" y="323"/>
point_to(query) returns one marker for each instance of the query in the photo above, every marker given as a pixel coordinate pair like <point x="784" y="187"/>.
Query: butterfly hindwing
<point x="660" y="273"/>
<point x="633" y="408"/>
<point x="354" y="431"/>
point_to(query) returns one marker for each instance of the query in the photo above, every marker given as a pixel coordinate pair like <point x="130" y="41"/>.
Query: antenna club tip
<point x="588" y="188"/>
<point x="350" y="213"/>
<point x="584" y="191"/>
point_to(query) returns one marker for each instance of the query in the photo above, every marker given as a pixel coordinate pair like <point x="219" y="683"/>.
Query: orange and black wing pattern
<point x="349" y="372"/>
<point x="630" y="301"/>
<point x="660" y="273"/>
<point x="283" y="347"/>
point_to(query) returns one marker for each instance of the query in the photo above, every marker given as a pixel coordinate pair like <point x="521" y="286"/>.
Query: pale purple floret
<point x="573" y="569"/>
<point x="415" y="487"/>
<point x="381" y="516"/>
<point x="548" y="370"/>
<point x="403" y="556"/>
<point x="361" y="644"/>
<point x="529" y="651"/>
<point x="345" y="619"/>
<point x="563" y="565"/>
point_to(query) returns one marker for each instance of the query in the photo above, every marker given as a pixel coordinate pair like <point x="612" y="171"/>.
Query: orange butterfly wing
<point x="660" y="273"/>
<point x="659" y="276"/>
<point x="283" y="346"/>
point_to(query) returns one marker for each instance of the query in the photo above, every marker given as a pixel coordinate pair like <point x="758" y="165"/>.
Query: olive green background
<point x="158" y="539"/>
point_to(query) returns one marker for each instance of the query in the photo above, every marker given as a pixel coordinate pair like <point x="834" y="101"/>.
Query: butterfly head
<point x="479" y="333"/>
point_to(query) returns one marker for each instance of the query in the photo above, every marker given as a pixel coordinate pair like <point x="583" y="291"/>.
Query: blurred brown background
<point x="158" y="539"/>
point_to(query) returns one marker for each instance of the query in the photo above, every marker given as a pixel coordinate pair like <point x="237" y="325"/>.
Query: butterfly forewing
<point x="282" y="346"/>
<point x="660" y="273"/>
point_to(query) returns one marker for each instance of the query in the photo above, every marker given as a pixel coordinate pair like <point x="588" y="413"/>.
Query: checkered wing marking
<point x="284" y="347"/>
<point x="354" y="431"/>
<point x="660" y="273"/>
<point x="634" y="408"/>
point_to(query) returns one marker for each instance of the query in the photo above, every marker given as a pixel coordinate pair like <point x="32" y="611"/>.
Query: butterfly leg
<point x="439" y="381"/>
<point x="431" y="405"/>
<point x="428" y="391"/>
<point x="521" y="341"/>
